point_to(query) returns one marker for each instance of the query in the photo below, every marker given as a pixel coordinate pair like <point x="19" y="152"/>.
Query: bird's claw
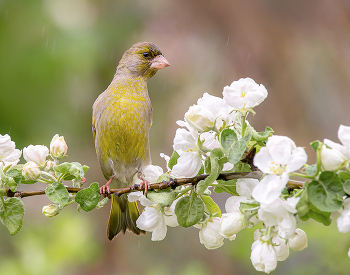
<point x="146" y="186"/>
<point x="105" y="191"/>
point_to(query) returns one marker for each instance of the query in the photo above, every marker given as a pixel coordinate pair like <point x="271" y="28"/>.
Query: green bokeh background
<point x="57" y="56"/>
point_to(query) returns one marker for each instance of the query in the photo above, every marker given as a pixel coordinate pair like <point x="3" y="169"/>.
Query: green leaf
<point x="189" y="210"/>
<point x="24" y="181"/>
<point x="88" y="198"/>
<point x="85" y="168"/>
<point x="242" y="167"/>
<point x="259" y="136"/>
<point x="173" y="160"/>
<point x="315" y="144"/>
<point x="311" y="170"/>
<point x="303" y="204"/>
<point x="16" y="175"/>
<point x="346" y="186"/>
<point x="212" y="207"/>
<point x="71" y="169"/>
<point x="11" y="214"/>
<point x="237" y="149"/>
<point x="215" y="155"/>
<point x="227" y="138"/>
<point x="57" y="193"/>
<point x="343" y="175"/>
<point x="164" y="197"/>
<point x="326" y="193"/>
<point x="248" y="206"/>
<point x="226" y="186"/>
<point x="100" y="204"/>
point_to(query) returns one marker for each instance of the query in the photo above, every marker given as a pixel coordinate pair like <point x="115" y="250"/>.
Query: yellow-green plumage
<point x="122" y="117"/>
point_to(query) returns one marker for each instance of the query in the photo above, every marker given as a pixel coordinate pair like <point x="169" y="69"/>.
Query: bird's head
<point x="142" y="59"/>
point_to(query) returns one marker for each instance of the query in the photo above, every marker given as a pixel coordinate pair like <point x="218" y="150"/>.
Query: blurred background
<point x="57" y="56"/>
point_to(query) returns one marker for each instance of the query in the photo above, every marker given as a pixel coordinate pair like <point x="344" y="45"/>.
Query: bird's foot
<point x="144" y="184"/>
<point x="105" y="190"/>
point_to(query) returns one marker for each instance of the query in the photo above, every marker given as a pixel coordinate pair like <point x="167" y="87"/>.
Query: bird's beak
<point x="159" y="62"/>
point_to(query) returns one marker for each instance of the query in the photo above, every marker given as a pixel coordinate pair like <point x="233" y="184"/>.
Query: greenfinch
<point x="121" y="121"/>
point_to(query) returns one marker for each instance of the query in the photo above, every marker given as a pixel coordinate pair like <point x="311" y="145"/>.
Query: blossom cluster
<point x="209" y="139"/>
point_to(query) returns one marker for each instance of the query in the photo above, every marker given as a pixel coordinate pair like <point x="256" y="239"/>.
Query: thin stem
<point x="48" y="175"/>
<point x="302" y="175"/>
<point x="244" y="124"/>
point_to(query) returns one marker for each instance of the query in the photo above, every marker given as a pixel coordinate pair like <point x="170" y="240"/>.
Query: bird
<point x="121" y="121"/>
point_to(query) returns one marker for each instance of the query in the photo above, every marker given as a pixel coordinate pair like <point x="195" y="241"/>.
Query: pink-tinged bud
<point x="31" y="170"/>
<point x="49" y="167"/>
<point x="58" y="147"/>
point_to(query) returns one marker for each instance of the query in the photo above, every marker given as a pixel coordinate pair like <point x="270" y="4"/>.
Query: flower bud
<point x="51" y="210"/>
<point x="37" y="154"/>
<point x="331" y="159"/>
<point x="49" y="167"/>
<point x="231" y="224"/>
<point x="31" y="170"/>
<point x="58" y="147"/>
<point x="199" y="118"/>
<point x="299" y="241"/>
<point x="209" y="234"/>
<point x="263" y="256"/>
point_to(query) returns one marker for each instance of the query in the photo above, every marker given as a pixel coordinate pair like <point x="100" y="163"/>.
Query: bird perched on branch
<point x="121" y="120"/>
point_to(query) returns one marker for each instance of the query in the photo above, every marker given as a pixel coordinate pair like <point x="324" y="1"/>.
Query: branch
<point x="172" y="183"/>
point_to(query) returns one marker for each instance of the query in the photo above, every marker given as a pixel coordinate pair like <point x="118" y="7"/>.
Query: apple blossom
<point x="343" y="222"/>
<point x="58" y="147"/>
<point x="189" y="162"/>
<point x="299" y="241"/>
<point x="334" y="157"/>
<point x="36" y="153"/>
<point x="209" y="234"/>
<point x="277" y="159"/>
<point x="8" y="154"/>
<point x="281" y="248"/>
<point x="280" y="213"/>
<point x="231" y="224"/>
<point x="244" y="94"/>
<point x="31" y="170"/>
<point x="263" y="256"/>
<point x="199" y="118"/>
<point x="154" y="218"/>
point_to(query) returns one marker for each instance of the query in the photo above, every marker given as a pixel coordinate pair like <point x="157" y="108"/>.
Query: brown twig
<point x="172" y="183"/>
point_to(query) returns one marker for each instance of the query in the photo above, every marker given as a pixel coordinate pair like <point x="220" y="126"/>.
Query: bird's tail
<point x="123" y="216"/>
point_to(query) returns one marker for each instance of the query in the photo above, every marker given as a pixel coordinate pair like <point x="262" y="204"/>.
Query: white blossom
<point x="154" y="218"/>
<point x="281" y="247"/>
<point x="231" y="224"/>
<point x="334" y="157"/>
<point x="263" y="256"/>
<point x="277" y="159"/>
<point x="280" y="213"/>
<point x="280" y="155"/>
<point x="199" y="118"/>
<point x="8" y="154"/>
<point x="36" y="153"/>
<point x="245" y="187"/>
<point x="299" y="241"/>
<point x="343" y="222"/>
<point x="189" y="162"/>
<point x="244" y="94"/>
<point x="209" y="234"/>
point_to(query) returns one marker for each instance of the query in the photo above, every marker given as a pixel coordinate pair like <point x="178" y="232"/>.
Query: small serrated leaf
<point x="57" y="193"/>
<point x="315" y="144"/>
<point x="88" y="198"/>
<point x="311" y="170"/>
<point x="189" y="210"/>
<point x="11" y="214"/>
<point x="259" y="136"/>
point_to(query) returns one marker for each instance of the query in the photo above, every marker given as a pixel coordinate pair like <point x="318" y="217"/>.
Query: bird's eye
<point x="146" y="54"/>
